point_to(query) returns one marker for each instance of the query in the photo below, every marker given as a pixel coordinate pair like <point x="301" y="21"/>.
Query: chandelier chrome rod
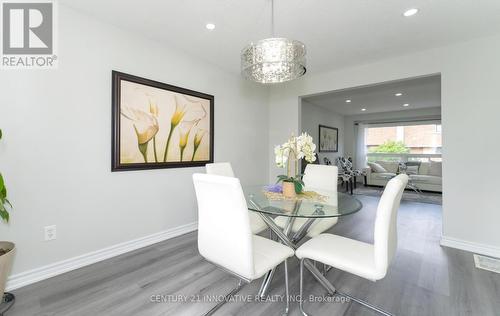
<point x="273" y="60"/>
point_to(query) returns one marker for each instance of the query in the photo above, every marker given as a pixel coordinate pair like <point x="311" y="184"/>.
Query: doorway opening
<point x="383" y="129"/>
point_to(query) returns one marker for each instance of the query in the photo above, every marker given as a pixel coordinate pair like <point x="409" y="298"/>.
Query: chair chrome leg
<point x="225" y="300"/>
<point x="319" y="276"/>
<point x="264" y="287"/>
<point x="328" y="285"/>
<point x="301" y="298"/>
<point x="364" y="303"/>
<point x="287" y="308"/>
<point x="326" y="269"/>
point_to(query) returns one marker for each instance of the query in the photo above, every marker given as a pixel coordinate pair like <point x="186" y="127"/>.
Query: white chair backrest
<point x="321" y="177"/>
<point x="220" y="169"/>
<point x="224" y="235"/>
<point x="386" y="236"/>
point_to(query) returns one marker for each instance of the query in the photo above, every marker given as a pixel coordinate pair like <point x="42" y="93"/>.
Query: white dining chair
<point x="224" y="169"/>
<point x="369" y="261"/>
<point x="316" y="178"/>
<point x="225" y="237"/>
<point x="220" y="168"/>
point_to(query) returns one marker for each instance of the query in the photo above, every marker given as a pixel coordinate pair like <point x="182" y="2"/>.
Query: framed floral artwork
<point x="328" y="139"/>
<point x="156" y="125"/>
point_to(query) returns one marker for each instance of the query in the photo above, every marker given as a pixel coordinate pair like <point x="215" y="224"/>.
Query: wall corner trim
<point x="473" y="247"/>
<point x="38" y="274"/>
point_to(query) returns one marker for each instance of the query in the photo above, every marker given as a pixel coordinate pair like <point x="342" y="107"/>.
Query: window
<point x="404" y="139"/>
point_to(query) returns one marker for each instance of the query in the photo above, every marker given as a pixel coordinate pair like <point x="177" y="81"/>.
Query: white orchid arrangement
<point x="295" y="149"/>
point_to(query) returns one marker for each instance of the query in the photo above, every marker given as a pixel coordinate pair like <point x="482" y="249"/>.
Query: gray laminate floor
<point x="425" y="279"/>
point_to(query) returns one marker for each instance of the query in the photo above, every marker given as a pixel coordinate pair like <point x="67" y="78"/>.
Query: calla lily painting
<point x="156" y="125"/>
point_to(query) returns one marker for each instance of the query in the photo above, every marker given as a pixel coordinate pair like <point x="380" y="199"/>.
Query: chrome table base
<point x="292" y="243"/>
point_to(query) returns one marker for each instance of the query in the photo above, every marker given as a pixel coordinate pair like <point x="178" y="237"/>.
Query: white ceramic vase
<point x="5" y="264"/>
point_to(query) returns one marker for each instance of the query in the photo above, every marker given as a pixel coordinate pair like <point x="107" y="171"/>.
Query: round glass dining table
<point x="312" y="204"/>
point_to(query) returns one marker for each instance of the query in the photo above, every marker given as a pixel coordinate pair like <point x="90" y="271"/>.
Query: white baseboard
<point x="470" y="246"/>
<point x="28" y="277"/>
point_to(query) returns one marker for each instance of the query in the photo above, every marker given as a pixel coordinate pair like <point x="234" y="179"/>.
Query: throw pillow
<point x="390" y="166"/>
<point x="436" y="169"/>
<point x="411" y="170"/>
<point x="376" y="167"/>
<point x="404" y="167"/>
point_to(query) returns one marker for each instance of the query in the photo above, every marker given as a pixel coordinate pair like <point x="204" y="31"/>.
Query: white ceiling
<point x="419" y="93"/>
<point x="337" y="33"/>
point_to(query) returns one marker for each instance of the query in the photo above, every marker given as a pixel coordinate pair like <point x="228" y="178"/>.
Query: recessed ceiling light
<point x="410" y="12"/>
<point x="363" y="110"/>
<point x="406" y="104"/>
<point x="348" y="101"/>
<point x="398" y="94"/>
<point x="210" y="26"/>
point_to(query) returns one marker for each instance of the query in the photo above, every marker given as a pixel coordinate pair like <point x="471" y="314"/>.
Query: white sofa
<point x="428" y="178"/>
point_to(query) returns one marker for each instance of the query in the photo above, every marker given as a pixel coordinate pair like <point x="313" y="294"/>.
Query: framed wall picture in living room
<point x="328" y="139"/>
<point x="157" y="125"/>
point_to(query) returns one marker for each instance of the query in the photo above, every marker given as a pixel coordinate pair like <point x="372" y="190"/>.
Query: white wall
<point x="56" y="152"/>
<point x="55" y="155"/>
<point x="312" y="116"/>
<point x="349" y="134"/>
<point x="470" y="111"/>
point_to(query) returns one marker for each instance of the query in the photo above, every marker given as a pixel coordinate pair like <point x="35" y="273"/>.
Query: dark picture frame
<point x="206" y="103"/>
<point x="327" y="134"/>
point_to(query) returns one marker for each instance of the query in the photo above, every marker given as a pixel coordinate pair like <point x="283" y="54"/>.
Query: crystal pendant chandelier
<point x="273" y="60"/>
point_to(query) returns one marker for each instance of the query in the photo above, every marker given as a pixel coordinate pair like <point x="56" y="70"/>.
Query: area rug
<point x="408" y="195"/>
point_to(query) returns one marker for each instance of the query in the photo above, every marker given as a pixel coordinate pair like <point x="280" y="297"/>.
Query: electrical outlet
<point x="50" y="232"/>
